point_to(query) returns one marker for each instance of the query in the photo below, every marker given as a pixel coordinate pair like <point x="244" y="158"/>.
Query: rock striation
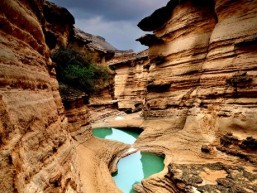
<point x="77" y="113"/>
<point x="196" y="86"/>
<point x="130" y="80"/>
<point x="202" y="84"/>
<point x="202" y="61"/>
<point x="36" y="150"/>
<point x="45" y="147"/>
<point x="199" y="96"/>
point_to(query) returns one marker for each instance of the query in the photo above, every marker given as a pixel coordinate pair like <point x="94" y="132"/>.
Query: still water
<point x="135" y="167"/>
<point x="125" y="136"/>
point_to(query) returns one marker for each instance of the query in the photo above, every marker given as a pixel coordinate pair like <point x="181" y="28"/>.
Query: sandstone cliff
<point x="197" y="85"/>
<point x="202" y="50"/>
<point x="202" y="81"/>
<point x="130" y="80"/>
<point x="200" y="96"/>
<point x="36" y="151"/>
<point x="44" y="147"/>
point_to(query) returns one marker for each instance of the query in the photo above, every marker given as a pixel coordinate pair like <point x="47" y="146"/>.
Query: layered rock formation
<point x="130" y="80"/>
<point x="77" y="113"/>
<point x="36" y="151"/>
<point x="198" y="87"/>
<point x="199" y="94"/>
<point x="200" y="98"/>
<point x="202" y="84"/>
<point x="198" y="58"/>
<point x="39" y="139"/>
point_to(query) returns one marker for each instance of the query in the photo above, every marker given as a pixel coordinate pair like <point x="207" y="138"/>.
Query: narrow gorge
<point x="192" y="94"/>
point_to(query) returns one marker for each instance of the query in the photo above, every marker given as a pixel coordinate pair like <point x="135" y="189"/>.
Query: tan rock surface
<point x="97" y="159"/>
<point x="201" y="97"/>
<point x="187" y="167"/>
<point x="44" y="147"/>
<point x="36" y="151"/>
<point x="130" y="80"/>
<point x="200" y="85"/>
<point x="204" y="62"/>
<point x="200" y="105"/>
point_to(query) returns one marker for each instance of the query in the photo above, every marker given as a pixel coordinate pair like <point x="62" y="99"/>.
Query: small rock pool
<point x="125" y="135"/>
<point x="135" y="167"/>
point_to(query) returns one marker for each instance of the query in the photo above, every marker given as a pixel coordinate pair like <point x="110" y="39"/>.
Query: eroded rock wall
<point x="204" y="63"/>
<point x="130" y="80"/>
<point x="201" y="96"/>
<point x="36" y="151"/>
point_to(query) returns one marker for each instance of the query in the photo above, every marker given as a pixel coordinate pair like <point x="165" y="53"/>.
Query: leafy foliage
<point x="80" y="71"/>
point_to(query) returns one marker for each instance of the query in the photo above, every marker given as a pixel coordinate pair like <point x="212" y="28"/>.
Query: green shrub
<point x="80" y="71"/>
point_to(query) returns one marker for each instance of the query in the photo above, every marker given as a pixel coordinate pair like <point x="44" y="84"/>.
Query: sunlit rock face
<point x="130" y="80"/>
<point x="36" y="151"/>
<point x="201" y="90"/>
<point x="203" y="63"/>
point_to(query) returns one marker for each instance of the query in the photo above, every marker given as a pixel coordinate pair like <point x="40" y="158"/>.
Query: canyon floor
<point x="188" y="167"/>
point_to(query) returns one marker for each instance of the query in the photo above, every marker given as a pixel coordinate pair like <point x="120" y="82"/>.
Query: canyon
<point x="193" y="92"/>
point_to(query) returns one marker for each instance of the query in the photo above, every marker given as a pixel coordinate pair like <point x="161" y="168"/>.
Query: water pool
<point x="135" y="167"/>
<point x="125" y="136"/>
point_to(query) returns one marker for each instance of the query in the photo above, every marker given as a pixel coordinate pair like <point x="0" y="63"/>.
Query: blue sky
<point x="115" y="20"/>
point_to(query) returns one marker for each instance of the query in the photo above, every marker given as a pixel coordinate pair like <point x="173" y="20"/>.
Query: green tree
<point x="80" y="71"/>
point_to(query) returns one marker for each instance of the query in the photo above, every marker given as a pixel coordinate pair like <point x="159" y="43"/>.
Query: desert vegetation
<point x="80" y="71"/>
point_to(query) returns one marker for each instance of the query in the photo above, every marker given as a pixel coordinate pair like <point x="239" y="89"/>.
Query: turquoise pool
<point x="125" y="136"/>
<point x="135" y="167"/>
